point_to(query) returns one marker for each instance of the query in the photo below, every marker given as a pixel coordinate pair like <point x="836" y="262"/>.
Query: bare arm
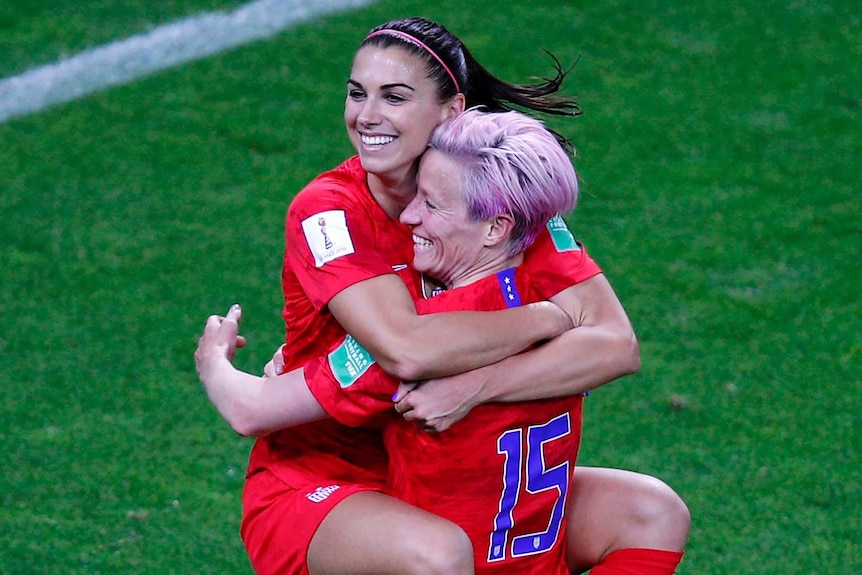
<point x="251" y="405"/>
<point x="602" y="347"/>
<point x="380" y="314"/>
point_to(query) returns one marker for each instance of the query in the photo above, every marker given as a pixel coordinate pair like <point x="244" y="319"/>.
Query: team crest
<point x="327" y="236"/>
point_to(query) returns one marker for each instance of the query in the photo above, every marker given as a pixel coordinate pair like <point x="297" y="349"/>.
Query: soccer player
<point x="487" y="186"/>
<point x="312" y="501"/>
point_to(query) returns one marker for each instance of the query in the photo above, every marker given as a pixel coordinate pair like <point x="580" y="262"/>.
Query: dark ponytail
<point x="453" y="68"/>
<point x="487" y="90"/>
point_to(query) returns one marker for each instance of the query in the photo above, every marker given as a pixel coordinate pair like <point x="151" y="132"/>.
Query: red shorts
<point x="279" y="520"/>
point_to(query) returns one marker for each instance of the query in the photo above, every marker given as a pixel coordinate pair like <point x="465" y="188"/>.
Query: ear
<point x="454" y="107"/>
<point x="499" y="230"/>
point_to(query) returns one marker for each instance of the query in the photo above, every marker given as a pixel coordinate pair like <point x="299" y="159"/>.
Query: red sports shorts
<point x="279" y="520"/>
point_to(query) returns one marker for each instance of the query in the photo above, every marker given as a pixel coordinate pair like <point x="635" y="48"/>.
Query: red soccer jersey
<point x="557" y="261"/>
<point x="554" y="262"/>
<point x="502" y="473"/>
<point x="336" y="235"/>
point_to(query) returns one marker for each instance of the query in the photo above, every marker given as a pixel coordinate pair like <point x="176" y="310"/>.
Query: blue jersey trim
<point x="508" y="287"/>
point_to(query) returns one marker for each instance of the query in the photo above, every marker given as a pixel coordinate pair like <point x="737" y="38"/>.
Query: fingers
<point x="213" y="322"/>
<point x="403" y="389"/>
<point x="269" y="369"/>
<point x="220" y="332"/>
<point x="278" y="360"/>
<point x="234" y="313"/>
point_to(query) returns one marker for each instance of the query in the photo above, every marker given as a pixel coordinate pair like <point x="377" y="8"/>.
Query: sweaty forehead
<point x="387" y="65"/>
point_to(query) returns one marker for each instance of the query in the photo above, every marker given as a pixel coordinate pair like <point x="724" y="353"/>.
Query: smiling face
<point x="391" y="109"/>
<point x="447" y="245"/>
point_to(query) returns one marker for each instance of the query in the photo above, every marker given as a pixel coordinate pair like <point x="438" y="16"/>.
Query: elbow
<point x="631" y="354"/>
<point x="246" y="429"/>
<point x="241" y="424"/>
<point x="623" y="353"/>
<point x="241" y="417"/>
<point x="404" y="367"/>
<point x="405" y="357"/>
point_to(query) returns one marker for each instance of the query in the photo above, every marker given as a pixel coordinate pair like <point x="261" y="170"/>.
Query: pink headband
<point x="419" y="43"/>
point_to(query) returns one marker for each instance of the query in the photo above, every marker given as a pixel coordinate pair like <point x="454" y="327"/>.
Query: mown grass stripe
<point x="170" y="45"/>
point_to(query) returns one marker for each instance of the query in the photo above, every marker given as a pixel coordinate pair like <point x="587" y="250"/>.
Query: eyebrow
<point x="384" y="86"/>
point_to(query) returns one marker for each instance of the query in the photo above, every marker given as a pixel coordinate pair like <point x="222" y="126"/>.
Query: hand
<point x="275" y="366"/>
<point x="219" y="341"/>
<point x="437" y="404"/>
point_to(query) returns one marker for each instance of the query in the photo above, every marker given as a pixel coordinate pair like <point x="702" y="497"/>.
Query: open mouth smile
<point x="375" y="140"/>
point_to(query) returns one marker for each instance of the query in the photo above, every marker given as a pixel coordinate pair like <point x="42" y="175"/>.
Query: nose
<point x="410" y="215"/>
<point x="369" y="114"/>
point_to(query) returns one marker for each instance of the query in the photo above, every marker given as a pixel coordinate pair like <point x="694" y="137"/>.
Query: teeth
<point x="422" y="242"/>
<point x="376" y="140"/>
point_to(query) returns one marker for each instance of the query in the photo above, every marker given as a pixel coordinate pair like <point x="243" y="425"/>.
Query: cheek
<point x="351" y="111"/>
<point x="421" y="125"/>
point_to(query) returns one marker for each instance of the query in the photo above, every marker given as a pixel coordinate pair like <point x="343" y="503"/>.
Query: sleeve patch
<point x="327" y="236"/>
<point x="563" y="239"/>
<point x="349" y="361"/>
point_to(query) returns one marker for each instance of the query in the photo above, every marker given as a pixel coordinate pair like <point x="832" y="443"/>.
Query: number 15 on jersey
<point x="524" y="470"/>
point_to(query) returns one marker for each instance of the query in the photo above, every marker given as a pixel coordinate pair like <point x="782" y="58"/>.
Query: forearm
<point x="577" y="361"/>
<point x="601" y="349"/>
<point x="255" y="406"/>
<point x="380" y="314"/>
<point x="449" y="343"/>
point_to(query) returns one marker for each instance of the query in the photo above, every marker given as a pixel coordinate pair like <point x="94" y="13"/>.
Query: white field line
<point x="170" y="45"/>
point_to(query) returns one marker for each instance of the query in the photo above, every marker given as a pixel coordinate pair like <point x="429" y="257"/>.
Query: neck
<point x="393" y="193"/>
<point x="485" y="269"/>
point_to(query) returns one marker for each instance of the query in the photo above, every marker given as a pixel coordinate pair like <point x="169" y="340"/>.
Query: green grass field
<point x="719" y="151"/>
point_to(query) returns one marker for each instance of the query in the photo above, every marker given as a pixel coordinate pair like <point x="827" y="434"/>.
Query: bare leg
<point x="376" y="534"/>
<point x="612" y="509"/>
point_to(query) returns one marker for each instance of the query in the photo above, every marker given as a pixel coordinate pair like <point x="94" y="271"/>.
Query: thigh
<point x="373" y="533"/>
<point x="613" y="509"/>
<point x="280" y="520"/>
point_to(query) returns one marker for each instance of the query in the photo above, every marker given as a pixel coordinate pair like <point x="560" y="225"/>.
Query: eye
<point x="429" y="205"/>
<point x="393" y="98"/>
<point x="355" y="94"/>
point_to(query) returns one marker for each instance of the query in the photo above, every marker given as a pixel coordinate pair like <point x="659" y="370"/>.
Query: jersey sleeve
<point x="330" y="241"/>
<point x="557" y="261"/>
<point x="350" y="386"/>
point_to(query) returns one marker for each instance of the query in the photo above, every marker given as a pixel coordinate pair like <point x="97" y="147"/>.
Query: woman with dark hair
<point x="314" y="498"/>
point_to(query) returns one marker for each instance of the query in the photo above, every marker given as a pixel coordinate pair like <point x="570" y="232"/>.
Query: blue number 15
<point x="538" y="479"/>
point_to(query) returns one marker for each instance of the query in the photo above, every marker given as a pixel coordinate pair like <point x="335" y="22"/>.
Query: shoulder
<point x="343" y="186"/>
<point x="557" y="260"/>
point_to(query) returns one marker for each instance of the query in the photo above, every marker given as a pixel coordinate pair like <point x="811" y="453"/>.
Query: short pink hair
<point x="513" y="165"/>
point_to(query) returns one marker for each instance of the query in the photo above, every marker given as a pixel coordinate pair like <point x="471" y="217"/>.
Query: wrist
<point x="214" y="367"/>
<point x="485" y="392"/>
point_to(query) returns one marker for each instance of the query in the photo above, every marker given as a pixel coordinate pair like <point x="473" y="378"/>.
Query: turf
<point x="718" y="151"/>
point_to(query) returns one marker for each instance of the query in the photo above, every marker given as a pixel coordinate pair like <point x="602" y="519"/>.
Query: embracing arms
<point x="601" y="348"/>
<point x="380" y="314"/>
<point x="257" y="406"/>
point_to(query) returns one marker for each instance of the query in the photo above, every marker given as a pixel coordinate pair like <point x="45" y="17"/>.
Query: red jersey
<point x="336" y="235"/>
<point x="502" y="473"/>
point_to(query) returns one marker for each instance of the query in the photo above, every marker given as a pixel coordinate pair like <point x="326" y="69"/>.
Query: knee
<point x="446" y="552"/>
<point x="659" y="509"/>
